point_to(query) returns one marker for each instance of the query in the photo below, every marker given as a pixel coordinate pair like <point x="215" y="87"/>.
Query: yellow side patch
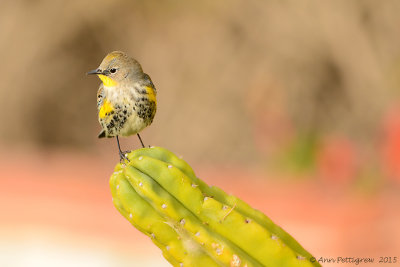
<point x="105" y="109"/>
<point x="107" y="81"/>
<point x="151" y="93"/>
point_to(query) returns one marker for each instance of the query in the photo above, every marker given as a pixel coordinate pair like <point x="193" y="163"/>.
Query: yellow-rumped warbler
<point x="126" y="99"/>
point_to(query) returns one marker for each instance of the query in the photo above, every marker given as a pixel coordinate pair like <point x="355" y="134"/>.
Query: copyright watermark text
<point x="354" y="260"/>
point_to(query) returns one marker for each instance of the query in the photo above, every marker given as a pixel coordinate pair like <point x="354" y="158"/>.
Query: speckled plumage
<point x="132" y="110"/>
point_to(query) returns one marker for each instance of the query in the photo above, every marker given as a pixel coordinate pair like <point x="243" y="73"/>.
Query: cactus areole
<point x="195" y="224"/>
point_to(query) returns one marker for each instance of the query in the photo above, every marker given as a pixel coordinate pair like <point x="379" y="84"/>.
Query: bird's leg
<point x="122" y="156"/>
<point x="140" y="140"/>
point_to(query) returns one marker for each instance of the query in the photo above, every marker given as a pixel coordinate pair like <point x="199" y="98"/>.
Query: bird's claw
<point x="123" y="156"/>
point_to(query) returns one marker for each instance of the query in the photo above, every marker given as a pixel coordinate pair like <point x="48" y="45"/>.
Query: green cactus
<point x="194" y="224"/>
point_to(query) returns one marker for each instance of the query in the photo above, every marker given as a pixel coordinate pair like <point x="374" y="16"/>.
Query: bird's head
<point x="116" y="68"/>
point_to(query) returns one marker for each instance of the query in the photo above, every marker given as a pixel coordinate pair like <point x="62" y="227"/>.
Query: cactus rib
<point x="137" y="211"/>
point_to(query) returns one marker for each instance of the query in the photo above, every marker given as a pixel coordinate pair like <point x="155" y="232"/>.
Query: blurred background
<point x="294" y="106"/>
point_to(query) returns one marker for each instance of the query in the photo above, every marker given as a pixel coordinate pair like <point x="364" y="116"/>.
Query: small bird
<point x="126" y="99"/>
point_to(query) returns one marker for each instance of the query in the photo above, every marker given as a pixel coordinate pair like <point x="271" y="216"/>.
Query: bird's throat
<point x="107" y="81"/>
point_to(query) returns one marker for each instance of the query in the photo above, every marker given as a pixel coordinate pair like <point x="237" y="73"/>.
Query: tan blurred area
<point x="221" y="69"/>
<point x="296" y="102"/>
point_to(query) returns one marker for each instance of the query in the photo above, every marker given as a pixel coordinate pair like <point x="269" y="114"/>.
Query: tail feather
<point x="102" y="134"/>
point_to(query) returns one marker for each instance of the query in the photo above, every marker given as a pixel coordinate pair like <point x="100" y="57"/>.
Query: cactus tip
<point x="140" y="184"/>
<point x="163" y="206"/>
<point x="300" y="257"/>
<point x="140" y="158"/>
<point x="117" y="186"/>
<point x="197" y="234"/>
<point x="182" y="222"/>
<point x="274" y="237"/>
<point x="169" y="166"/>
<point x="130" y="215"/>
<point x="167" y="247"/>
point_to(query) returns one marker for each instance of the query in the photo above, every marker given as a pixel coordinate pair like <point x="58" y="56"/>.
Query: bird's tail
<point x="102" y="134"/>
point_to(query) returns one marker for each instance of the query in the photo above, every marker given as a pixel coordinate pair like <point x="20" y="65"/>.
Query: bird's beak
<point x="96" y="71"/>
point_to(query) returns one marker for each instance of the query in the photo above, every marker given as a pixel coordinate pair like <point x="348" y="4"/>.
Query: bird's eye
<point x="113" y="70"/>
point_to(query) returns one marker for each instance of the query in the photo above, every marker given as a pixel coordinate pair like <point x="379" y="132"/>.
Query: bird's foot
<point x="123" y="156"/>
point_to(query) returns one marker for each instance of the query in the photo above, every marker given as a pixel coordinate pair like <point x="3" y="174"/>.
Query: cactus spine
<point x="194" y="224"/>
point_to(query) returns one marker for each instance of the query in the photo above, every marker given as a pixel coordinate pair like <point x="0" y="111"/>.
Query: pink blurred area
<point x="56" y="210"/>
